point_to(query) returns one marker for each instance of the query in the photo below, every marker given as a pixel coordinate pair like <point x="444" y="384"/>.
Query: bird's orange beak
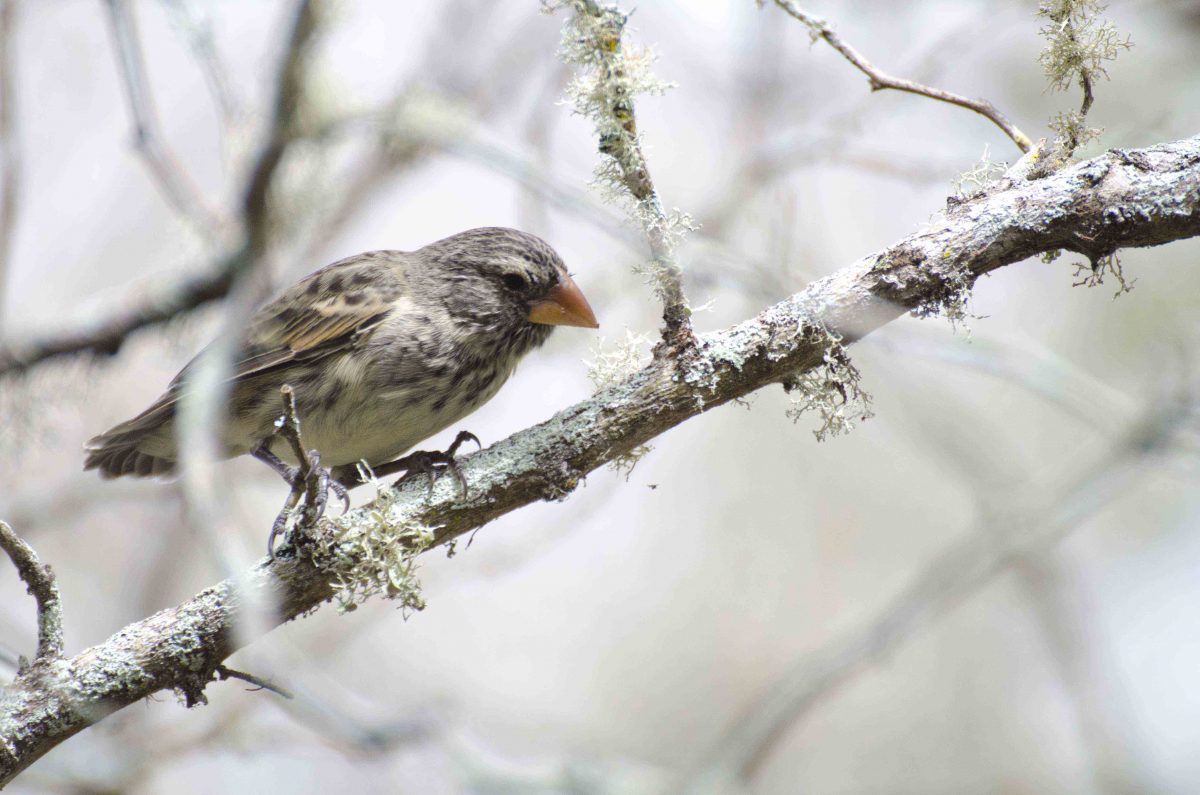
<point x="564" y="305"/>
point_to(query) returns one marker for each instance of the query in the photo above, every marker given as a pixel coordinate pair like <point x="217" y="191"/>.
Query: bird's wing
<point x="324" y="313"/>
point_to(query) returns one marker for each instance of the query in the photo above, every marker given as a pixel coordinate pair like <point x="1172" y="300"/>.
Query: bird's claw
<point x="310" y="483"/>
<point x="434" y="462"/>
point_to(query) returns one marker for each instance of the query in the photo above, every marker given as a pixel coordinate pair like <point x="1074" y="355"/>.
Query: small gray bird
<point x="382" y="350"/>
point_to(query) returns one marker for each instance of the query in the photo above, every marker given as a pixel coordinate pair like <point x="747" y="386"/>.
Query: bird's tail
<point x="142" y="447"/>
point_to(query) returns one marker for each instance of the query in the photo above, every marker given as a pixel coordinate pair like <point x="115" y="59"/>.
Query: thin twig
<point x="224" y="672"/>
<point x="288" y="426"/>
<point x="168" y="172"/>
<point x="39" y="579"/>
<point x="1075" y="131"/>
<point x="881" y="80"/>
<point x="10" y="149"/>
<point x="199" y="34"/>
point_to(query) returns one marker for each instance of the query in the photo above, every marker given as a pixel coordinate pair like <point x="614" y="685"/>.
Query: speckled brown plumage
<point x="383" y="349"/>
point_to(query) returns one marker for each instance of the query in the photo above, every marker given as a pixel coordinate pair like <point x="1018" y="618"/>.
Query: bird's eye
<point x="514" y="281"/>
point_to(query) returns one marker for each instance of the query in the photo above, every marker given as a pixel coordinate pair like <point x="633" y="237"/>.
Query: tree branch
<point x="1136" y="198"/>
<point x="39" y="579"/>
<point x="107" y="337"/>
<point x="881" y="80"/>
<point x="604" y="92"/>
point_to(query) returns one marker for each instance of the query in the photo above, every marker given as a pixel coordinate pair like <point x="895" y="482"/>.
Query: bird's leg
<point x="428" y="462"/>
<point x="308" y="481"/>
<point x="291" y="474"/>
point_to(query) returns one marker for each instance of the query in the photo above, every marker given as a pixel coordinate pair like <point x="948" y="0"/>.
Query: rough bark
<point x="1142" y="197"/>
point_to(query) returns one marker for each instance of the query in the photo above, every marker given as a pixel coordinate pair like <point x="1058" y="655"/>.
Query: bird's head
<point x="507" y="281"/>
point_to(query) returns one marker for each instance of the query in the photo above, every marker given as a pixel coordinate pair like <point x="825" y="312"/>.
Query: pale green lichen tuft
<point x="976" y="179"/>
<point x="610" y="367"/>
<point x="833" y="390"/>
<point x="668" y="230"/>
<point x="373" y="553"/>
<point x="1078" y="41"/>
<point x="1071" y="131"/>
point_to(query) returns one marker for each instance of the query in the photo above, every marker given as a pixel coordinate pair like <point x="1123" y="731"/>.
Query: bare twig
<point x="10" y="148"/>
<point x="168" y="172"/>
<point x="39" y="579"/>
<point x="224" y="672"/>
<point x="1143" y="198"/>
<point x="309" y="480"/>
<point x="881" y="80"/>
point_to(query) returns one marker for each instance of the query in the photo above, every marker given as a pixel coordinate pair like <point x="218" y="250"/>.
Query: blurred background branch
<point x="1015" y="534"/>
<point x="168" y="173"/>
<point x="10" y="146"/>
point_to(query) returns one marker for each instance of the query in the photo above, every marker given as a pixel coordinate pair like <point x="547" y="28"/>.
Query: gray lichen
<point x="373" y="553"/>
<point x="609" y="367"/>
<point x="976" y="179"/>
<point x="1079" y="41"/>
<point x="833" y="390"/>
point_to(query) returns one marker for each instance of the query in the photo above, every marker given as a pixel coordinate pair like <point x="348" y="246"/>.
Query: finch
<point x="381" y="350"/>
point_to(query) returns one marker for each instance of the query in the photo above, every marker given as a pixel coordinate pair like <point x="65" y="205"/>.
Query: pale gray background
<point x="609" y="643"/>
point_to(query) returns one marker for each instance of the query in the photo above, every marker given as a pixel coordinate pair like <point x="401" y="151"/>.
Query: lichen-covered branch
<point x="611" y="74"/>
<point x="39" y="579"/>
<point x="881" y="80"/>
<point x="1078" y="43"/>
<point x="1142" y="197"/>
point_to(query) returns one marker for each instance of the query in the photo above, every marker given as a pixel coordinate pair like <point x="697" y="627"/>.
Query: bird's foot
<point x="432" y="463"/>
<point x="310" y="483"/>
